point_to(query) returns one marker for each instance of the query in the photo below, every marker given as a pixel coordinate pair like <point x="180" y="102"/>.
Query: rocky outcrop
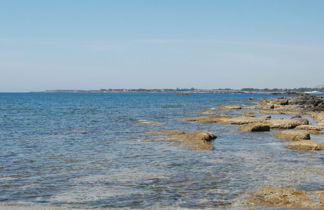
<point x="232" y="106"/>
<point x="294" y="135"/>
<point x="167" y="132"/>
<point x="309" y="103"/>
<point x="287" y="198"/>
<point x="306" y="145"/>
<point x="195" y="141"/>
<point x="255" y="127"/>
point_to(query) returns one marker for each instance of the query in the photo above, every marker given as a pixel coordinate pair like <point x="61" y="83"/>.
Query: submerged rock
<point x="195" y="141"/>
<point x="306" y="145"/>
<point x="167" y="132"/>
<point x="149" y="122"/>
<point x="208" y="119"/>
<point x="232" y="106"/>
<point x="295" y="135"/>
<point x="255" y="127"/>
<point x="287" y="198"/>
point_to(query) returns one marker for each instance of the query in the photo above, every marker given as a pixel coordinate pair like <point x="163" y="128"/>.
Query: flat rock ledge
<point x="287" y="198"/>
<point x="294" y="135"/>
<point x="255" y="127"/>
<point x="312" y="129"/>
<point x="231" y="106"/>
<point x="306" y="145"/>
<point x="194" y="141"/>
<point x="279" y="123"/>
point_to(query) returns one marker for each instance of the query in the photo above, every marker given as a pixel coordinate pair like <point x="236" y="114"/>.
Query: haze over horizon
<point x="80" y="44"/>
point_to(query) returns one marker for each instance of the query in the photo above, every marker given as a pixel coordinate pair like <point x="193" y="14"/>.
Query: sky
<point x="207" y="44"/>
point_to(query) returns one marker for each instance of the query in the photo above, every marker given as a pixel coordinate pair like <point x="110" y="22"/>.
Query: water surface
<point x="88" y="150"/>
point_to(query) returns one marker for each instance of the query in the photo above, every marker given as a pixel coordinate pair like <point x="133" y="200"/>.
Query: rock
<point x="312" y="129"/>
<point x="295" y="135"/>
<point x="167" y="132"/>
<point x="241" y="120"/>
<point x="232" y="106"/>
<point x="149" y="122"/>
<point x="318" y="116"/>
<point x="251" y="99"/>
<point x="305" y="145"/>
<point x="296" y="117"/>
<point x="281" y="123"/>
<point x="196" y="140"/>
<point x="265" y="117"/>
<point x="287" y="198"/>
<point x="208" y="119"/>
<point x="255" y="127"/>
<point x="309" y="103"/>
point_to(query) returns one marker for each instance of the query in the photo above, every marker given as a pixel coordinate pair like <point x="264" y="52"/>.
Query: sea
<point x="92" y="150"/>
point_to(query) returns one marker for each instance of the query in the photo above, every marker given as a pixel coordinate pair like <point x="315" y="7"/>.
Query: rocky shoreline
<point x="294" y="127"/>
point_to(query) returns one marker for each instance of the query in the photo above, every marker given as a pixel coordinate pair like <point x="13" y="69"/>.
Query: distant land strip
<point x="194" y="90"/>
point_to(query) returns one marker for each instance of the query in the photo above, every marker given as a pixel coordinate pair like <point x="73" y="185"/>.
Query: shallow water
<point x="89" y="150"/>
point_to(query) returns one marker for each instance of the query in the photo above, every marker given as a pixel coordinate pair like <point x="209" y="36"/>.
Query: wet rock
<point x="167" y="132"/>
<point x="255" y="127"/>
<point x="295" y="135"/>
<point x="232" y="106"/>
<point x="287" y="198"/>
<point x="195" y="141"/>
<point x="306" y="145"/>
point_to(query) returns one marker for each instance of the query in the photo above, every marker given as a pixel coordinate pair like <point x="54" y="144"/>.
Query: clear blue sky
<point x="93" y="44"/>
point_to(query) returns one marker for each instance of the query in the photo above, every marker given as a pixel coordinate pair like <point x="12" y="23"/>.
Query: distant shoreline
<point x="187" y="92"/>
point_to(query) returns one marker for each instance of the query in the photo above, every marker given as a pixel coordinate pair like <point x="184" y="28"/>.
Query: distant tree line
<point x="283" y="89"/>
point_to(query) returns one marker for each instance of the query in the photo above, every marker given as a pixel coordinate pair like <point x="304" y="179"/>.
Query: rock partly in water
<point x="287" y="198"/>
<point x="265" y="117"/>
<point x="232" y="106"/>
<point x="195" y="141"/>
<point x="312" y="129"/>
<point x="306" y="145"/>
<point x="286" y="123"/>
<point x="167" y="132"/>
<point x="309" y="103"/>
<point x="294" y="135"/>
<point x="147" y="122"/>
<point x="208" y="119"/>
<point x="255" y="127"/>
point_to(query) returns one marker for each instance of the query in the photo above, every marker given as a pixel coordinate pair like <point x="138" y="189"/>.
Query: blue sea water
<point x="90" y="150"/>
